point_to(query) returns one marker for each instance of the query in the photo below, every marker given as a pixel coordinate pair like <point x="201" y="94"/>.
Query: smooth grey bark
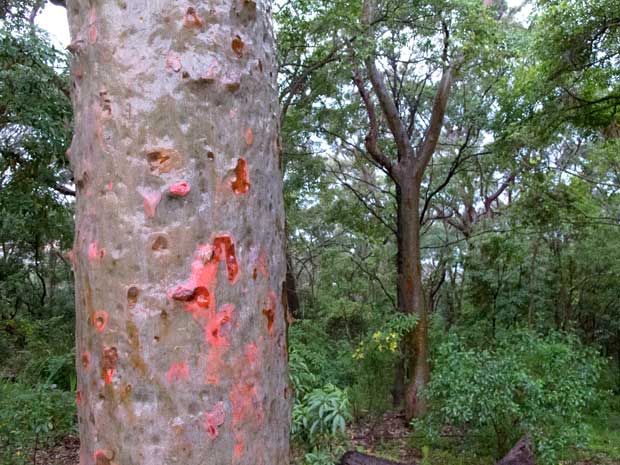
<point x="178" y="255"/>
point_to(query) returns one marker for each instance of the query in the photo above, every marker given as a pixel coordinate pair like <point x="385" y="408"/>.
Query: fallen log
<point x="521" y="454"/>
<point x="357" y="458"/>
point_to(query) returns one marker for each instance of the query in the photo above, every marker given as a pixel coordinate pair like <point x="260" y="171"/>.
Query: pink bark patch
<point x="245" y="399"/>
<point x="173" y="62"/>
<point x="249" y="136"/>
<point x="92" y="26"/>
<point x="110" y="186"/>
<point x="217" y="335"/>
<point x="151" y="200"/>
<point x="214" y="419"/>
<point x="239" y="449"/>
<point x="178" y="372"/>
<point x="95" y="254"/>
<point x="212" y="72"/>
<point x="262" y="264"/>
<point x="198" y="297"/>
<point x="218" y="326"/>
<point x="100" y="320"/>
<point x="180" y="189"/>
<point x="78" y="397"/>
<point x="102" y="457"/>
<point x="241" y="183"/>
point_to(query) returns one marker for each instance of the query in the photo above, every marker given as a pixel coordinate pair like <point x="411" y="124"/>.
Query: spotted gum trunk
<point x="412" y="294"/>
<point x="178" y="257"/>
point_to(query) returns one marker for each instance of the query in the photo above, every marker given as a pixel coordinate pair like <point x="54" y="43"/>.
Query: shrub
<point x="527" y="384"/>
<point x="321" y="414"/>
<point x="30" y="416"/>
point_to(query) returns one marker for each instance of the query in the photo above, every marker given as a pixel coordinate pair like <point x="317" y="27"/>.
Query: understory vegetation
<point x="519" y="226"/>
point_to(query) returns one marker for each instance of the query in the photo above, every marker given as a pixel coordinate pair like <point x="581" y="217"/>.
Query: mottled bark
<point x="179" y="257"/>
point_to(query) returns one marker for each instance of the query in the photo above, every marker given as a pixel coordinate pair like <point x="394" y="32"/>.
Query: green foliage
<point x="32" y="417"/>
<point x="321" y="413"/>
<point x="37" y="367"/>
<point x="526" y="384"/>
<point x="318" y="457"/>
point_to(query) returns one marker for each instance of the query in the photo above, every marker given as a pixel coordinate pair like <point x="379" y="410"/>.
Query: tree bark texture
<point x="178" y="256"/>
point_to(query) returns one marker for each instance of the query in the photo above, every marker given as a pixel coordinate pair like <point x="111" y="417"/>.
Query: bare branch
<point x="371" y="140"/>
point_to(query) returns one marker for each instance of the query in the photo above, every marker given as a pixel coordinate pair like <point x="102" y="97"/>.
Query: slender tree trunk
<point x="400" y="372"/>
<point x="292" y="297"/>
<point x="413" y="299"/>
<point x="179" y="257"/>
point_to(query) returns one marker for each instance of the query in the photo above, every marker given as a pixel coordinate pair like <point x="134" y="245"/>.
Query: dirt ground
<point x="378" y="436"/>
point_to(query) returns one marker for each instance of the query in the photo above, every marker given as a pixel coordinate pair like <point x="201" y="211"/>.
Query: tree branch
<point x="371" y="140"/>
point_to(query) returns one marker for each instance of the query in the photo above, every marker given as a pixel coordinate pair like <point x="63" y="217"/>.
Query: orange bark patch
<point x="270" y="311"/>
<point x="202" y="297"/>
<point x="192" y="18"/>
<point x="232" y="81"/>
<point x="269" y="314"/>
<point x="132" y="296"/>
<point x="241" y="183"/>
<point x="85" y="359"/>
<point x="160" y="243"/>
<point x="163" y="160"/>
<point x="100" y="320"/>
<point x="108" y="363"/>
<point x="178" y="372"/>
<point x="237" y="46"/>
<point x="224" y="250"/>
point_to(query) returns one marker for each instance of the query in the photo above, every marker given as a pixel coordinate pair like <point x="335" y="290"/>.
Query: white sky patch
<point x="54" y="20"/>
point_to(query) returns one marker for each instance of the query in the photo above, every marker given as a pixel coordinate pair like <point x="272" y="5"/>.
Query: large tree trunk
<point x="179" y="258"/>
<point x="413" y="298"/>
